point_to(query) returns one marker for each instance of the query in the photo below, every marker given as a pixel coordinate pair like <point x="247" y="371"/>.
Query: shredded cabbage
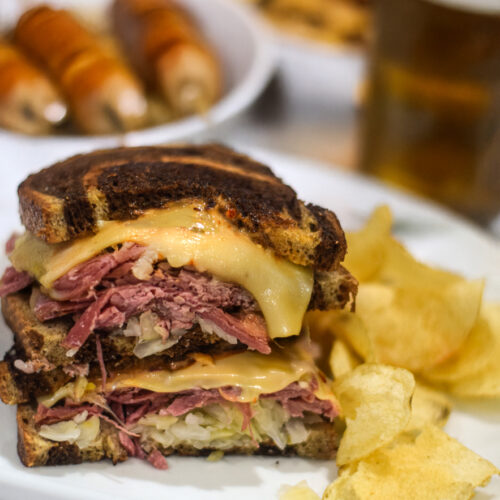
<point x="132" y="329"/>
<point x="83" y="433"/>
<point x="219" y="426"/>
<point x="89" y="430"/>
<point x="152" y="338"/>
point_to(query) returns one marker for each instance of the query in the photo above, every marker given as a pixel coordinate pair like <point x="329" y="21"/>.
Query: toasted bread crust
<point x="34" y="450"/>
<point x="12" y="391"/>
<point x="333" y="290"/>
<point x="67" y="200"/>
<point x="17" y="387"/>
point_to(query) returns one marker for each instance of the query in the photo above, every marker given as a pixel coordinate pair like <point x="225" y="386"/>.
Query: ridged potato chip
<point x="350" y="328"/>
<point x="428" y="406"/>
<point x="367" y="251"/>
<point x="407" y="314"/>
<point x="375" y="401"/>
<point x="478" y="350"/>
<point x="342" y="359"/>
<point x="423" y="465"/>
<point x="417" y="329"/>
<point x="483" y="352"/>
<point x="401" y="269"/>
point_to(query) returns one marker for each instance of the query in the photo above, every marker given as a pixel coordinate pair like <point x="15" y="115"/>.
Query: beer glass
<point x="432" y="117"/>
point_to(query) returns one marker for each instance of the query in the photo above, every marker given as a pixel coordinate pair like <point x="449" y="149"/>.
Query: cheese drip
<point x="187" y="236"/>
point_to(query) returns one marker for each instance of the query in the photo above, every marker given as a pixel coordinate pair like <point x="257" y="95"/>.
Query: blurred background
<point x="405" y="91"/>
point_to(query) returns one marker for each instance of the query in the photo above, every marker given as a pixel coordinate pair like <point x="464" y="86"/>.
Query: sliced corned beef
<point x="157" y="460"/>
<point x="189" y="400"/>
<point x="127" y="443"/>
<point x="11" y="243"/>
<point x="56" y="414"/>
<point x="13" y="281"/>
<point x="249" y="329"/>
<point x="110" y="310"/>
<point x="296" y="400"/>
<point x="46" y="308"/>
<point x="79" y="283"/>
<point x="246" y="411"/>
<point x="178" y="311"/>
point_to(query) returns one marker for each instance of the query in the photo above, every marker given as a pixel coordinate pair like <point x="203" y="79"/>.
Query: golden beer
<point x="432" y="116"/>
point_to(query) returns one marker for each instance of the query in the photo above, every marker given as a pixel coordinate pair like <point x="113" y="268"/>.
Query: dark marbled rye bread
<point x="67" y="200"/>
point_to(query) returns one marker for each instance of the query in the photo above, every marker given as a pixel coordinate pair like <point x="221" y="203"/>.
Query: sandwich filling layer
<point x="185" y="236"/>
<point x="238" y="401"/>
<point x="159" y="276"/>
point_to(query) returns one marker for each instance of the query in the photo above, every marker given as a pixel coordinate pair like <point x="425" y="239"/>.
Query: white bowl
<point x="239" y="41"/>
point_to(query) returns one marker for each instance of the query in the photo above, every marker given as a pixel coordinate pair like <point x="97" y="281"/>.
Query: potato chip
<point x="414" y="329"/>
<point x="401" y="269"/>
<point x="342" y="359"/>
<point x="375" y="401"/>
<point x="426" y="464"/>
<point x="480" y="347"/>
<point x="375" y="255"/>
<point x="366" y="252"/>
<point x="428" y="406"/>
<point x="300" y="491"/>
<point x="484" y="383"/>
<point x="350" y="328"/>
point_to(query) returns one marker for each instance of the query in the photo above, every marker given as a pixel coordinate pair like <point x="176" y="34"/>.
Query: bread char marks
<point x="221" y="185"/>
<point x="122" y="178"/>
<point x="67" y="200"/>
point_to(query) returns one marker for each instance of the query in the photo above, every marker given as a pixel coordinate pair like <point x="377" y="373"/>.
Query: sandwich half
<point x="165" y="252"/>
<point x="244" y="403"/>
<point x="156" y="298"/>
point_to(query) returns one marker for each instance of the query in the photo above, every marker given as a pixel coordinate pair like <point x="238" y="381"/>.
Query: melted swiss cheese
<point x="252" y="372"/>
<point x="187" y="236"/>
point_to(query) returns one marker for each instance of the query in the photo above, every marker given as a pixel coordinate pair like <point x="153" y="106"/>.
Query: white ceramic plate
<point x="431" y="234"/>
<point x="238" y="39"/>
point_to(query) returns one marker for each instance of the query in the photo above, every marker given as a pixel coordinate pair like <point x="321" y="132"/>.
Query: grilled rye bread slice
<point x="34" y="450"/>
<point x="67" y="200"/>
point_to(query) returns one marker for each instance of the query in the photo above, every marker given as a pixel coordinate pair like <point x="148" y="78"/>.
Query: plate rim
<point x="265" y="155"/>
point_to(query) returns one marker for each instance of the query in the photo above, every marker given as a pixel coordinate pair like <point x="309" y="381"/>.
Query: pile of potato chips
<point x="393" y="446"/>
<point x="416" y="331"/>
<point x="431" y="322"/>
